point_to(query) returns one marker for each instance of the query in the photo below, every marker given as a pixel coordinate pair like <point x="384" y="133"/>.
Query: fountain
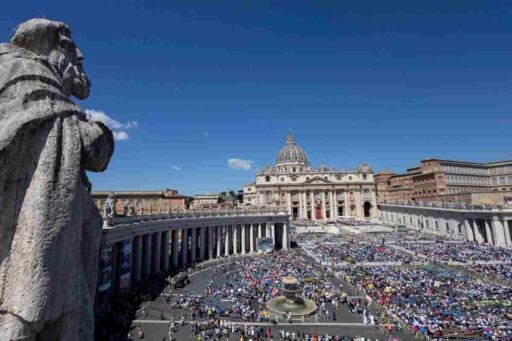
<point x="290" y="302"/>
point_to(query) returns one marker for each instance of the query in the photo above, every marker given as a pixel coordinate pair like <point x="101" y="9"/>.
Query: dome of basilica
<point x="292" y="154"/>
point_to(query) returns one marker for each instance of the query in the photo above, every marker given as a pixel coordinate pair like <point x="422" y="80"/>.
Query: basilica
<point x="322" y="194"/>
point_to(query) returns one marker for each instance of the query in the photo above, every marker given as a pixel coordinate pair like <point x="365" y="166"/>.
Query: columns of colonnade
<point x="251" y="238"/>
<point x="273" y="233"/>
<point x="202" y="242"/>
<point x="137" y="259"/>
<point x="226" y="242"/>
<point x="219" y="240"/>
<point x="210" y="241"/>
<point x="243" y="239"/>
<point x="165" y="239"/>
<point x="184" y="247"/>
<point x="498" y="227"/>
<point x="193" y="245"/>
<point x="156" y="252"/>
<point x="508" y="225"/>
<point x="234" y="239"/>
<point x="174" y="249"/>
<point x="469" y="231"/>
<point x="488" y="231"/>
<point x="285" y="240"/>
<point x="146" y="255"/>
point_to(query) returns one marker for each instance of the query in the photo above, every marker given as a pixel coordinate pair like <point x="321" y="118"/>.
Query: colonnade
<point x="172" y="250"/>
<point x="492" y="227"/>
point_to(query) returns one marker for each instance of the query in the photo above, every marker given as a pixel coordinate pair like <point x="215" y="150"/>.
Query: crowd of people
<point x="436" y="301"/>
<point x="501" y="272"/>
<point x="352" y="248"/>
<point x="240" y="289"/>
<point x="459" y="251"/>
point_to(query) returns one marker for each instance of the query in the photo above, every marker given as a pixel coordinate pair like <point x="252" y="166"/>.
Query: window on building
<point x="267" y="178"/>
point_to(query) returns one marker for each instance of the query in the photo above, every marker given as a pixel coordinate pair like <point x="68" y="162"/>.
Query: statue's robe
<point x="50" y="228"/>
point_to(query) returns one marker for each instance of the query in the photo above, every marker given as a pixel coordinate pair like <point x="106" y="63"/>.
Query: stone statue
<point x="131" y="209"/>
<point x="49" y="226"/>
<point x="109" y="209"/>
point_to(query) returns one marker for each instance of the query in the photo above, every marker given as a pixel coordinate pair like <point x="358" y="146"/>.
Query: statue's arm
<point x="97" y="145"/>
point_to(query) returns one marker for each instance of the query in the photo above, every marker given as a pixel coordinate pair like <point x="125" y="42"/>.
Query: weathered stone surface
<point x="49" y="227"/>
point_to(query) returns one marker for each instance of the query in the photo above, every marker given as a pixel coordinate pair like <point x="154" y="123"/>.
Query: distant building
<point x="448" y="181"/>
<point x="205" y="200"/>
<point x="147" y="200"/>
<point x="321" y="194"/>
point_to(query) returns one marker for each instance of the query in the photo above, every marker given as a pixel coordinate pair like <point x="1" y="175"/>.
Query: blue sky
<point x="191" y="84"/>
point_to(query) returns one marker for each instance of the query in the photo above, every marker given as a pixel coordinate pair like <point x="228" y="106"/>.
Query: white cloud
<point x="240" y="164"/>
<point x="176" y="168"/>
<point x="118" y="128"/>
<point x="120" y="135"/>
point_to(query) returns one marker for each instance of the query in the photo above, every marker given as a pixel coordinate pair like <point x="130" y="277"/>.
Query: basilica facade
<point x="308" y="193"/>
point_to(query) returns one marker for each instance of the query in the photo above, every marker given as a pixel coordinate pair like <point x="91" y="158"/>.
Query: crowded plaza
<point x="366" y="286"/>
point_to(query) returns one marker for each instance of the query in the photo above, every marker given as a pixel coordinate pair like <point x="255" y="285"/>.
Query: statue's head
<point x="52" y="39"/>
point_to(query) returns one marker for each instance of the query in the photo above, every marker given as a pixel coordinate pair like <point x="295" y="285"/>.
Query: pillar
<point x="334" y="205"/>
<point x="359" y="206"/>
<point x="324" y="206"/>
<point x="508" y="238"/>
<point x="476" y="229"/>
<point x="289" y="203"/>
<point x="312" y="198"/>
<point x="146" y="255"/>
<point x="489" y="232"/>
<point x="470" y="236"/>
<point x="137" y="259"/>
<point x="374" y="203"/>
<point x="165" y="239"/>
<point x="304" y="205"/>
<point x="243" y="239"/>
<point x="259" y="231"/>
<point x="235" y="239"/>
<point x="301" y="215"/>
<point x="157" y="253"/>
<point x="251" y="238"/>
<point x="226" y="241"/>
<point x="193" y="253"/>
<point x="273" y="232"/>
<point x="202" y="242"/>
<point x="219" y="240"/>
<point x="285" y="236"/>
<point x="184" y="247"/>
<point x="116" y="252"/>
<point x="210" y="242"/>
<point x="498" y="228"/>
<point x="346" y="211"/>
<point x="175" y="251"/>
